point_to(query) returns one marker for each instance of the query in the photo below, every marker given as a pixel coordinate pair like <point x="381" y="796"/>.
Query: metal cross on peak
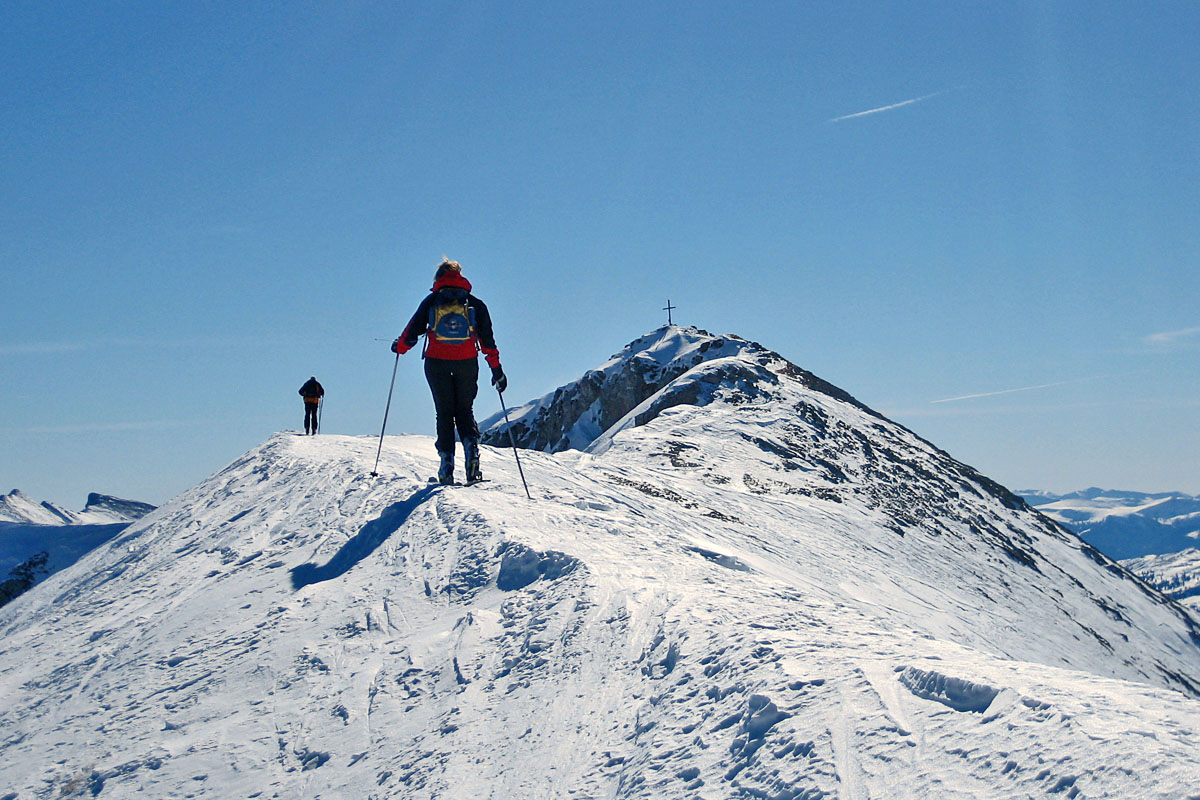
<point x="669" y="308"/>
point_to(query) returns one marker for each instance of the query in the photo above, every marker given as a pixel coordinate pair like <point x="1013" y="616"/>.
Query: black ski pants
<point x="310" y="416"/>
<point x="454" y="384"/>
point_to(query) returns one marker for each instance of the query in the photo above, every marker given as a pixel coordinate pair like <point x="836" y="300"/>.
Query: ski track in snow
<point x="675" y="617"/>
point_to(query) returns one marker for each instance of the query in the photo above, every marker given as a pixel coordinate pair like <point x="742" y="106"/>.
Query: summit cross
<point x="669" y="308"/>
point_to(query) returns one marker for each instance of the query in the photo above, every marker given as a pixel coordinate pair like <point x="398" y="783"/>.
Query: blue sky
<point x="994" y="206"/>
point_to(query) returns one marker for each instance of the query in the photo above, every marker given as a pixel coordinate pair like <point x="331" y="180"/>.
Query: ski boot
<point x="446" y="470"/>
<point x="471" y="455"/>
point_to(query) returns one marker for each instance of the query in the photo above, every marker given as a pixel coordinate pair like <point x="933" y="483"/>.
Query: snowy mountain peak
<point x="675" y="344"/>
<point x="667" y="367"/>
<point x="575" y="415"/>
<point x="16" y="506"/>
<point x="102" y="508"/>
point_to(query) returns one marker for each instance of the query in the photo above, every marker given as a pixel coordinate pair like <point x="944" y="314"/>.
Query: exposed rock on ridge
<point x="575" y="415"/>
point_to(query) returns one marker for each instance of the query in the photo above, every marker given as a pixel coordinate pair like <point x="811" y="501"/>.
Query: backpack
<point x="451" y="318"/>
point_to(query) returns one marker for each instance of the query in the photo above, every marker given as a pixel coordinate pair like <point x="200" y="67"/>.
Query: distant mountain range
<point x="101" y="509"/>
<point x="1125" y="524"/>
<point x="1156" y="536"/>
<point x="29" y="527"/>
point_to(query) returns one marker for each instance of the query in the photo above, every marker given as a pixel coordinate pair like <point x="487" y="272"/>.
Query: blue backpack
<point x="451" y="318"/>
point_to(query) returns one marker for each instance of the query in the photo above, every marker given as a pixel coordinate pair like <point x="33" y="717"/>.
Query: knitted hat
<point x="447" y="266"/>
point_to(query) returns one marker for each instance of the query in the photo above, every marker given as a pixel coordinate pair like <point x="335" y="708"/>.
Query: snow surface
<point x="768" y="592"/>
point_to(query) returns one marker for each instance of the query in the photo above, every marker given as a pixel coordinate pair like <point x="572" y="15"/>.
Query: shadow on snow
<point x="365" y="542"/>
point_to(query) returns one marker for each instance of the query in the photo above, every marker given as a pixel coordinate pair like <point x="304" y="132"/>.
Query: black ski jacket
<point x="416" y="328"/>
<point x="312" y="389"/>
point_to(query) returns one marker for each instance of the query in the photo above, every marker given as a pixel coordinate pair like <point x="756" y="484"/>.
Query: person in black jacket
<point x="457" y="327"/>
<point x="312" y="392"/>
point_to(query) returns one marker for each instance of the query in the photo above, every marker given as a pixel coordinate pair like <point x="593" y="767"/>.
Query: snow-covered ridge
<point x="1094" y="505"/>
<point x="44" y="531"/>
<point x="670" y="366"/>
<point x="1173" y="574"/>
<point x="575" y="415"/>
<point x="17" y="507"/>
<point x="768" y="591"/>
<point x="102" y="508"/>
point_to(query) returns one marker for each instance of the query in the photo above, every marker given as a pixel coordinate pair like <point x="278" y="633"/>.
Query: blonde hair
<point x="446" y="266"/>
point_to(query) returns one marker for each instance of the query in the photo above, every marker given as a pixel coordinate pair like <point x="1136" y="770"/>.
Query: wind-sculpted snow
<point x="775" y="594"/>
<point x="954" y="693"/>
<point x="363" y="543"/>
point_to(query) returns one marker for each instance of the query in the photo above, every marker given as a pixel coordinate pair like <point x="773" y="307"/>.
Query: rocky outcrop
<point x="658" y="365"/>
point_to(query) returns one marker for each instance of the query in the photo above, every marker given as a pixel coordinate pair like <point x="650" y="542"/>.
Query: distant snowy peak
<point x="1097" y="505"/>
<point x="671" y="366"/>
<point x="1125" y="524"/>
<point x="18" y="507"/>
<point x="102" y="508"/>
<point x="577" y="414"/>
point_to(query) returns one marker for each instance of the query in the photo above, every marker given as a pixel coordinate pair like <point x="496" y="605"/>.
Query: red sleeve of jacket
<point x="483" y="332"/>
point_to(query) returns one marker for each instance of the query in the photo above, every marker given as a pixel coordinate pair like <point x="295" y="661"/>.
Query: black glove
<point x="498" y="379"/>
<point x="398" y="346"/>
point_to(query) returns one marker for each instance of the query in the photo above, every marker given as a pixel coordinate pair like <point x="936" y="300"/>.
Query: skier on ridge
<point x="312" y="392"/>
<point x="456" y="326"/>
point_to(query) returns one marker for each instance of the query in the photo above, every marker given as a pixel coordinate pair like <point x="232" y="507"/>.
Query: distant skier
<point x="312" y="392"/>
<point x="456" y="326"/>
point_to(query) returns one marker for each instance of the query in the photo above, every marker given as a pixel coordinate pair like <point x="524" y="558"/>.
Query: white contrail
<point x="1021" y="389"/>
<point x="881" y="109"/>
<point x="1170" y="337"/>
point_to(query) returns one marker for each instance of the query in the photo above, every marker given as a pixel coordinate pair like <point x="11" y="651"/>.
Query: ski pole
<point x="513" y="439"/>
<point x="374" y="472"/>
<point x="320" y="408"/>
